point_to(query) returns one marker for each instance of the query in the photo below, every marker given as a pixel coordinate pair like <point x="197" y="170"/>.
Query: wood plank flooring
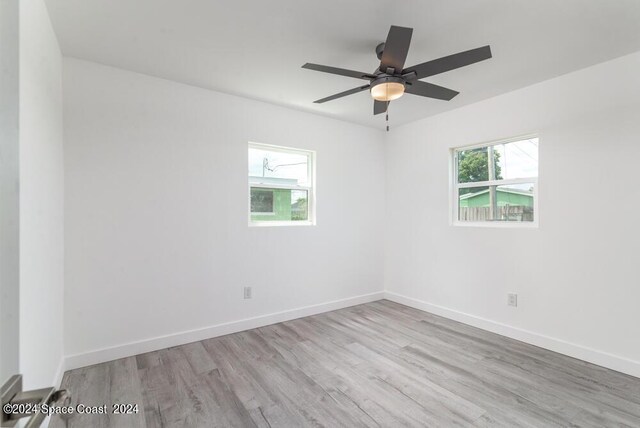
<point x="378" y="364"/>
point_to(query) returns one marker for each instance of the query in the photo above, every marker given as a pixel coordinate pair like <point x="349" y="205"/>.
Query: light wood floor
<point x="378" y="364"/>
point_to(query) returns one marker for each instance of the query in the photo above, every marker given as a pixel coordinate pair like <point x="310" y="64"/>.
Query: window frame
<point x="454" y="187"/>
<point x="309" y="188"/>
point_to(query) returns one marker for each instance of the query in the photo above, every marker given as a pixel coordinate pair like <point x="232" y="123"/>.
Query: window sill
<point x="280" y="223"/>
<point x="497" y="224"/>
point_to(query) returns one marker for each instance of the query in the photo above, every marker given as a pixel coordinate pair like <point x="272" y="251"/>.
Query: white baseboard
<point x="134" y="348"/>
<point x="601" y="358"/>
<point x="584" y="353"/>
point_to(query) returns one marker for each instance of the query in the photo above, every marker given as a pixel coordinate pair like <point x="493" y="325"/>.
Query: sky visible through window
<point x="519" y="159"/>
<point x="265" y="163"/>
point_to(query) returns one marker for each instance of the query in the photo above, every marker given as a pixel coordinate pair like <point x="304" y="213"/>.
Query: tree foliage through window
<point x="473" y="166"/>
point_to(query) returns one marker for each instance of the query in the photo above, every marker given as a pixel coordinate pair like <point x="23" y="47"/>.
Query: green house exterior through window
<point x="287" y="205"/>
<point x="504" y="197"/>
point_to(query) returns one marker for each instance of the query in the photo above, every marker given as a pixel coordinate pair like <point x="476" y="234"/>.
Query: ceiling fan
<point x="391" y="80"/>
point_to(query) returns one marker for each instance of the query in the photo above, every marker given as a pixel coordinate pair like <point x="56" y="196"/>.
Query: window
<point x="496" y="183"/>
<point x="280" y="186"/>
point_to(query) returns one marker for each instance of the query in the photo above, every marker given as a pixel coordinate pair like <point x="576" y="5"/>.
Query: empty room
<point x="362" y="213"/>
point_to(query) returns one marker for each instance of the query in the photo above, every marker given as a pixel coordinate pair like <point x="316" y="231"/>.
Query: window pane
<point x="473" y="165"/>
<point x="518" y="159"/>
<point x="512" y="203"/>
<point x="274" y="167"/>
<point x="261" y="201"/>
<point x="284" y="204"/>
<point x="299" y="205"/>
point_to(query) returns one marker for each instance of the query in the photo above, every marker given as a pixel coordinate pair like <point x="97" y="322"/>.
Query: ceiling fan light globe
<point x="387" y="91"/>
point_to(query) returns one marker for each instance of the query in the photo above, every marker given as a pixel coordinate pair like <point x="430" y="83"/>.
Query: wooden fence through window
<point x="505" y="213"/>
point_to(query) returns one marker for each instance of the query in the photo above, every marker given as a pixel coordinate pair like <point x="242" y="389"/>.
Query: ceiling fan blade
<point x="447" y="63"/>
<point x="396" y="49"/>
<point x="342" y="94"/>
<point x="380" y="106"/>
<point x="430" y="90"/>
<point x="339" y="71"/>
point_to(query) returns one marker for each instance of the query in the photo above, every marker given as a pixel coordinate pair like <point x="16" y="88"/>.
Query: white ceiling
<point x="255" y="48"/>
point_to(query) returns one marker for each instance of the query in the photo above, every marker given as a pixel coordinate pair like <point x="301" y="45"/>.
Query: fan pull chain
<point x="386" y="110"/>
<point x="387" y="117"/>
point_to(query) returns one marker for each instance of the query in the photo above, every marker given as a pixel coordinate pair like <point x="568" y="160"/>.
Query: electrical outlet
<point x="512" y="299"/>
<point x="247" y="292"/>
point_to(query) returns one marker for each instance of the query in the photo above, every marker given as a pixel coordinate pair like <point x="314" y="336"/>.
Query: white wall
<point x="41" y="198"/>
<point x="576" y="275"/>
<point x="156" y="232"/>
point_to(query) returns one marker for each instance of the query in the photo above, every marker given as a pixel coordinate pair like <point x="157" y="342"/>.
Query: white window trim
<point x="455" y="186"/>
<point x="311" y="195"/>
